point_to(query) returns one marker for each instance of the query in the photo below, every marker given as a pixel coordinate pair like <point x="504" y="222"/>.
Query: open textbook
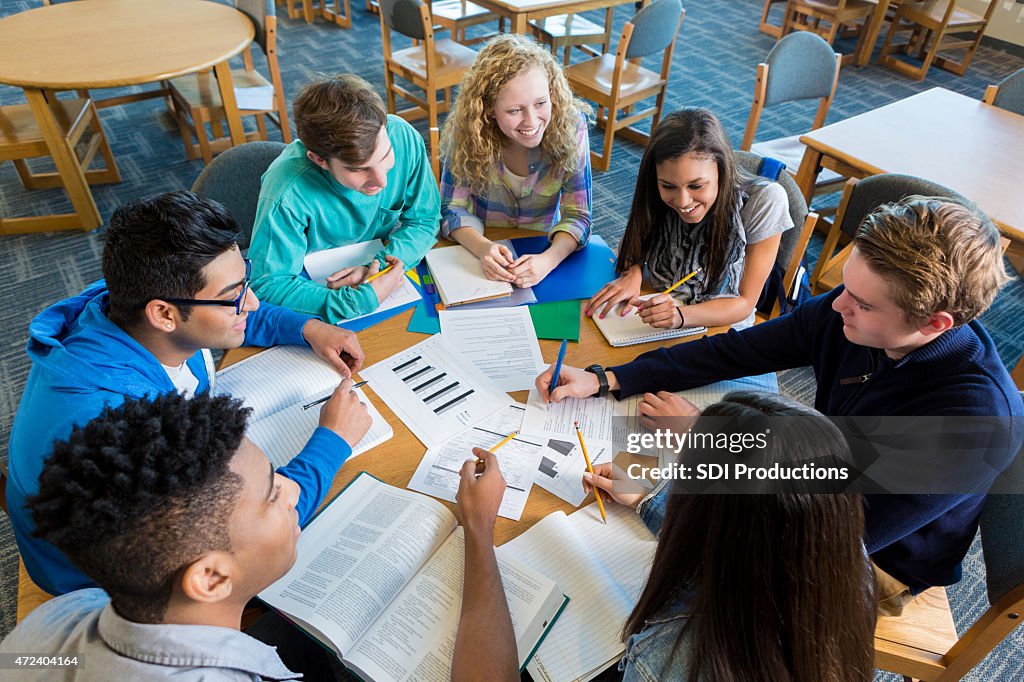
<point x="276" y="383"/>
<point x="378" y="580"/>
<point x="602" y="568"/>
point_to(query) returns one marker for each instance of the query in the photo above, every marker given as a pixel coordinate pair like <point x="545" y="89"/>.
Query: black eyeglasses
<point x="238" y="303"/>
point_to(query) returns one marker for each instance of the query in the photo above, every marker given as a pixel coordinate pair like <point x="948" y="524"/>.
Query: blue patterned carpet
<point x="714" y="66"/>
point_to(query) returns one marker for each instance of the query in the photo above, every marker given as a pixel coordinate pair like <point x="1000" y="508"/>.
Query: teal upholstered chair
<point x="1008" y="94"/>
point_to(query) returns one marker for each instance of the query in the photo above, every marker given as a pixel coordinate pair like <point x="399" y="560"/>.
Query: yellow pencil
<point x="502" y="442"/>
<point x="373" y="277"/>
<point x="590" y="468"/>
<point x="684" y="280"/>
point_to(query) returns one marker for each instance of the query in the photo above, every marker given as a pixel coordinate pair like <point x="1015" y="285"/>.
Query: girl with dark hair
<point x="769" y="583"/>
<point x="693" y="208"/>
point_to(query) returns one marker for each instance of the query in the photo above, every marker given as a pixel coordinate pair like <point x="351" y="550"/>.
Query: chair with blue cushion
<point x="801" y="66"/>
<point x="922" y="643"/>
<point x="794" y="241"/>
<point x="1008" y="94"/>
<point x="233" y="179"/>
<point x="618" y="81"/>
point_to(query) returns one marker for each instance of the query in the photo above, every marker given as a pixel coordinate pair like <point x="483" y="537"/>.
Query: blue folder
<point x="581" y="275"/>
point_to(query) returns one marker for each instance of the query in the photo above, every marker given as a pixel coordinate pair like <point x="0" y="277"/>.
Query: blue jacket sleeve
<point x="272" y="325"/>
<point x="314" y="469"/>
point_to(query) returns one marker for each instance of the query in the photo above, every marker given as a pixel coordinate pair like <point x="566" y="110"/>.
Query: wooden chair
<point x="340" y="15"/>
<point x="458" y="15"/>
<point x="861" y="197"/>
<point x="431" y="65"/>
<point x="565" y="31"/>
<point x="800" y="66"/>
<point x="807" y="15"/>
<point x="922" y="643"/>
<point x="793" y="243"/>
<point x="30" y="595"/>
<point x="196" y="97"/>
<point x="618" y="81"/>
<point x="233" y="179"/>
<point x="1008" y="94"/>
<point x="21" y="139"/>
<point x="932" y="24"/>
<point x="435" y="157"/>
<point x="766" y="27"/>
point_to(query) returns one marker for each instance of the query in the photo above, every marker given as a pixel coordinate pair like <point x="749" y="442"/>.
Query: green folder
<point x="557" y="320"/>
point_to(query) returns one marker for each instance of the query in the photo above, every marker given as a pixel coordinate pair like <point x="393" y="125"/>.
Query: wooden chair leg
<point x="609" y="138"/>
<point x="199" y="120"/>
<point x="389" y="88"/>
<point x="261" y="126"/>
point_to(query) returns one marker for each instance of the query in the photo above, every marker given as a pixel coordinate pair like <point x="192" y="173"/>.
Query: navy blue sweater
<point x="918" y="538"/>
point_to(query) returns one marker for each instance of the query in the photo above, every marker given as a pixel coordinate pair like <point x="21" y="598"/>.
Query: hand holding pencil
<point x="661" y="310"/>
<point x="590" y="470"/>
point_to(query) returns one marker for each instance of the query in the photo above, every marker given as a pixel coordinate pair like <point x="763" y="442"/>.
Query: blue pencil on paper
<point x="558" y="367"/>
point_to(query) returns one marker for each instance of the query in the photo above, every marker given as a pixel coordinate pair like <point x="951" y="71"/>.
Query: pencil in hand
<point x="378" y="274"/>
<point x="590" y="468"/>
<point x="504" y="440"/>
<point x="327" y="397"/>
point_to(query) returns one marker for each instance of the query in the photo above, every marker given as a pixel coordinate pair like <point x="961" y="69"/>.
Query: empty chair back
<point x="258" y="11"/>
<point x="750" y="162"/>
<point x="403" y="16"/>
<point x="871" y="192"/>
<point x="800" y="66"/>
<point x="1002" y="531"/>
<point x="654" y="28"/>
<point x="1010" y="95"/>
<point x="233" y="179"/>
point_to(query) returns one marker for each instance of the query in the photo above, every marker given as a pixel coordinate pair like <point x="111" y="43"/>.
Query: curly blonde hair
<point x="471" y="140"/>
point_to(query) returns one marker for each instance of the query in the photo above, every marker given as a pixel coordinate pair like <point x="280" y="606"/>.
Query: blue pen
<point x="558" y="368"/>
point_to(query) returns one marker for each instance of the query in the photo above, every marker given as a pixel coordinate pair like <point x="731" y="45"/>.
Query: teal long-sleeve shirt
<point x="303" y="209"/>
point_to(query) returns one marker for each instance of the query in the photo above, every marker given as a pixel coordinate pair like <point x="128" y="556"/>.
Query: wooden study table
<point x="395" y="461"/>
<point x="521" y="12"/>
<point x="942" y="136"/>
<point x="113" y="43"/>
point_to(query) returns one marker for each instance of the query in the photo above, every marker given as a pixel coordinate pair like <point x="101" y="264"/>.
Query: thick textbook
<point x="378" y="581"/>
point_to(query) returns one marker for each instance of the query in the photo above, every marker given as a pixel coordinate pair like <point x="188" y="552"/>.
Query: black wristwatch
<point x="602" y="379"/>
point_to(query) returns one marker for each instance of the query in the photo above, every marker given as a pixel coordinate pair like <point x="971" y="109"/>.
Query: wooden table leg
<point x="64" y="158"/>
<point x="227" y="98"/>
<point x="873" y="27"/>
<point x="807" y="174"/>
<point x="307" y="11"/>
<point x="518" y="23"/>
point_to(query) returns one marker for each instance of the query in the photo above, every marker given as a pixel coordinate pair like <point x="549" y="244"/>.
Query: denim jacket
<point x="649" y="653"/>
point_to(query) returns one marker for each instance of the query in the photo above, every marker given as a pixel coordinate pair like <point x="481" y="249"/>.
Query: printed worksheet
<point x="434" y="391"/>
<point x="518" y="459"/>
<point x="500" y="343"/>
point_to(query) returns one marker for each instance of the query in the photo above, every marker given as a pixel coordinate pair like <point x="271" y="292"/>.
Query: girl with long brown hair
<point x="767" y="582"/>
<point x="693" y="208"/>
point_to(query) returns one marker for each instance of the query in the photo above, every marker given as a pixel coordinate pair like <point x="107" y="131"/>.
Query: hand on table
<point x="338" y="347"/>
<point x="384" y="285"/>
<point x="531" y="268"/>
<point x="572" y="383"/>
<point x="659" y="311"/>
<point x="345" y="414"/>
<point x="620" y="290"/>
<point x="495" y="260"/>
<point x="661" y="409"/>
<point x="614" y="484"/>
<point x="480" y="493"/>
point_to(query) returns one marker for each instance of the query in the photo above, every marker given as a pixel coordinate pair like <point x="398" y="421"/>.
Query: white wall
<point x="1007" y="21"/>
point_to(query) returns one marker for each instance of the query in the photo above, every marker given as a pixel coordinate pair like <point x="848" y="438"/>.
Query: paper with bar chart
<point x="434" y="392"/>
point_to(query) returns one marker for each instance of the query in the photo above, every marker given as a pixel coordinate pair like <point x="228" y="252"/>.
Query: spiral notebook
<point x="631" y="330"/>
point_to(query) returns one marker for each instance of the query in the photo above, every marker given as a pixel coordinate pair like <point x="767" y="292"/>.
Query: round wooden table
<point x="112" y="43"/>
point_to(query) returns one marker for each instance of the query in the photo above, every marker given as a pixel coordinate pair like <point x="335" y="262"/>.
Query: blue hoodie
<point x="83" y="362"/>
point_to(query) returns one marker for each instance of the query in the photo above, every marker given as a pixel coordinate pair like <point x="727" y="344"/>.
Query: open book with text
<point x="378" y="581"/>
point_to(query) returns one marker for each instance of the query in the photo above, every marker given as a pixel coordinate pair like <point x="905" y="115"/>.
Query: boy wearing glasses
<point x="175" y="286"/>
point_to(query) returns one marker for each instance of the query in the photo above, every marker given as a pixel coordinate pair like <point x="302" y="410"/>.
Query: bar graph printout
<point x="434" y="392"/>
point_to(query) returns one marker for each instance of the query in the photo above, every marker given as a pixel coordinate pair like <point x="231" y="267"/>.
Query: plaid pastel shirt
<point x="548" y="202"/>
